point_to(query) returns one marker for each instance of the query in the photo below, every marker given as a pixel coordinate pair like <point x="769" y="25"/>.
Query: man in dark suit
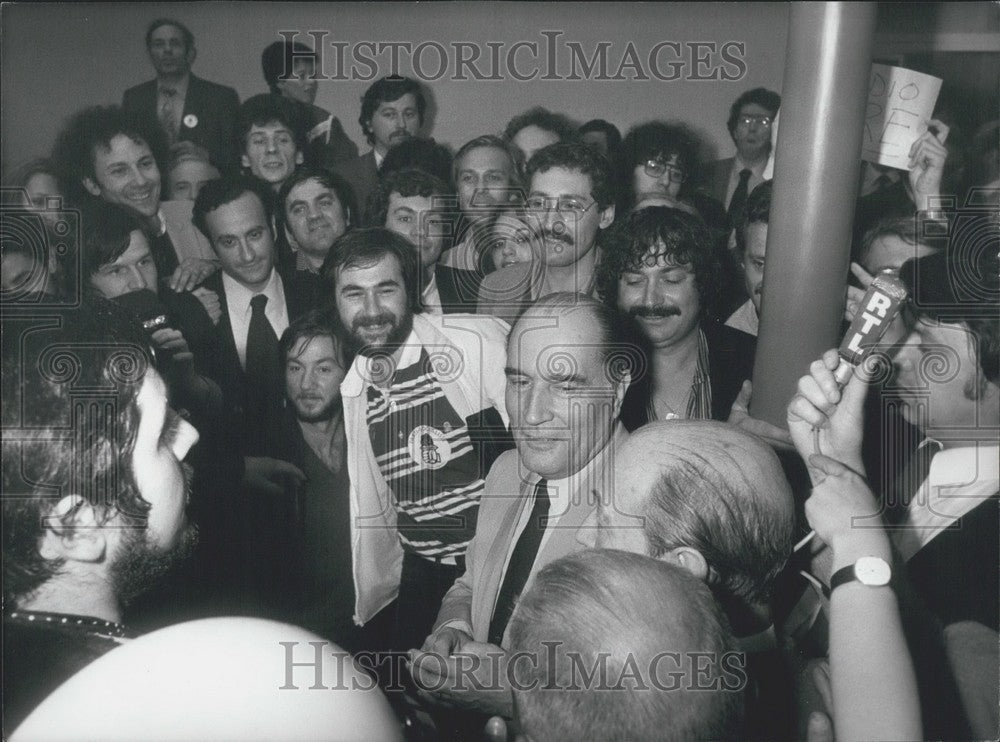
<point x="392" y="110"/>
<point x="409" y="202"/>
<point x="257" y="303"/>
<point x="289" y="70"/>
<point x="731" y="180"/>
<point x="187" y="107"/>
<point x="660" y="267"/>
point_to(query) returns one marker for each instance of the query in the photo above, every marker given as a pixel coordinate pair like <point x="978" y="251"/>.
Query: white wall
<point x="57" y="58"/>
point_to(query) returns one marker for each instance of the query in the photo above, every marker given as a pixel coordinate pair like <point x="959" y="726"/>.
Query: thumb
<point x="820" y="729"/>
<point x="830" y="467"/>
<point x="863" y="276"/>
<point x="283" y="467"/>
<point x="853" y="396"/>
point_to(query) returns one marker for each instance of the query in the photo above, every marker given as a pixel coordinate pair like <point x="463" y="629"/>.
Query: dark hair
<point x="185" y="31"/>
<point x="312" y="324"/>
<point x="105" y="233"/>
<point x="609" y="130"/>
<point x="361" y="248"/>
<point x="962" y="285"/>
<point x="45" y="379"/>
<point x="388" y="89"/>
<point x="578" y="156"/>
<point x="757" y="212"/>
<point x="266" y="108"/>
<point x="408" y="182"/>
<point x="655" y="232"/>
<point x="616" y="609"/>
<point x="418" y="152"/>
<point x="909" y="228"/>
<point x="659" y="140"/>
<point x="543" y="118"/>
<point x="327" y="179"/>
<point x="95" y="127"/>
<point x="766" y="99"/>
<point x="279" y="57"/>
<point x="225" y="190"/>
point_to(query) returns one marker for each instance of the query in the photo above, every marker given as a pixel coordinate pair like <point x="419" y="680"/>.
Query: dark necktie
<point x="164" y="255"/>
<point x="738" y="203"/>
<point x="522" y="559"/>
<point x="262" y="371"/>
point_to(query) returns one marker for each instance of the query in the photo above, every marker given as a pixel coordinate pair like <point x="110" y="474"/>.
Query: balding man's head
<point x="565" y="384"/>
<point x="700" y="489"/>
<point x="651" y="638"/>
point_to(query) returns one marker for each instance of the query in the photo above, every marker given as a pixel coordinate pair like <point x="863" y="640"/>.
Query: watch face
<point x="872" y="571"/>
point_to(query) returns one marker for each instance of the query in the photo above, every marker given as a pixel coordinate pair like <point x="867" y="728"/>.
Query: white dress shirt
<point x="238" y="299"/>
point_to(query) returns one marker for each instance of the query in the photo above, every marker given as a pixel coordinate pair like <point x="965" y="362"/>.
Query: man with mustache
<point x="392" y="111"/>
<point x="91" y="524"/>
<point x="661" y="268"/>
<point x="571" y="195"/>
<point x="751" y="244"/>
<point x="424" y="414"/>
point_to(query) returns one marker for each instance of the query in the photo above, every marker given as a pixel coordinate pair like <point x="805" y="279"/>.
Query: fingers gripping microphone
<point x="880" y="306"/>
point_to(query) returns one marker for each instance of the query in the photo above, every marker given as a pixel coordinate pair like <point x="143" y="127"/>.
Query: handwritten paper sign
<point x="900" y="102"/>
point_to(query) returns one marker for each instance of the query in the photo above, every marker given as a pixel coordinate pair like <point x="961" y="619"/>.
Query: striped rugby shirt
<point x="424" y="451"/>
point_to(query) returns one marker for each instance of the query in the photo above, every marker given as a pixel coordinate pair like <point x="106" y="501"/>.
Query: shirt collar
<point x="239" y="296"/>
<point x="180" y="87"/>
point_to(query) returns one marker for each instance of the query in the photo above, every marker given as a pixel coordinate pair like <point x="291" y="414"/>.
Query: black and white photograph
<point x="486" y="371"/>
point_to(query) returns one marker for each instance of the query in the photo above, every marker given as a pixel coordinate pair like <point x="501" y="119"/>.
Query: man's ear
<point x="245" y="161"/>
<point x="292" y="242"/>
<point x="192" y="54"/>
<point x="607" y="216"/>
<point x="299" y="159"/>
<point x="73" y="531"/>
<point x="92" y="188"/>
<point x="690" y="559"/>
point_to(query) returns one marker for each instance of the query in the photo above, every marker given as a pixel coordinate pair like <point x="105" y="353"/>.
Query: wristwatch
<point x="868" y="570"/>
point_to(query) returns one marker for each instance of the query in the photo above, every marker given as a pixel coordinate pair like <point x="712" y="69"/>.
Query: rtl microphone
<point x="879" y="307"/>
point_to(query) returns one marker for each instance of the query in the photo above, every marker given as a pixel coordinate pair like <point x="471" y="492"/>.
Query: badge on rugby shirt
<point x="429" y="447"/>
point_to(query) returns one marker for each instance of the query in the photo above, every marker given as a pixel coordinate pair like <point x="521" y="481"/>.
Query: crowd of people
<point x="484" y="417"/>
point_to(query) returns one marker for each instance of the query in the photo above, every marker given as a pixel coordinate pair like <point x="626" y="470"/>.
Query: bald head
<point x="628" y="614"/>
<point x="707" y="486"/>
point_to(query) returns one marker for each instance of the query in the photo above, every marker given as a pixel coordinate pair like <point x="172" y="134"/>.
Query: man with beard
<point x="661" y="268"/>
<point x="89" y="524"/>
<point x="424" y="414"/>
<point x="392" y="111"/>
<point x="571" y="194"/>
<point x="318" y="537"/>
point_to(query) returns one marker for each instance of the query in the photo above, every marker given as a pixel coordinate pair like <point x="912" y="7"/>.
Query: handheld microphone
<point x="879" y="307"/>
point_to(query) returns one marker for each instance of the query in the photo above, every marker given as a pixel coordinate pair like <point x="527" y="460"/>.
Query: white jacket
<point x="468" y="354"/>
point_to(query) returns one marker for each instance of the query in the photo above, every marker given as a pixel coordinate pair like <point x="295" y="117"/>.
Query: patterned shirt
<point x="699" y="404"/>
<point x="427" y="457"/>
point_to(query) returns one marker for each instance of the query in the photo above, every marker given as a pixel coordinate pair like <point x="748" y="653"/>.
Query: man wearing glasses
<point x="571" y="195"/>
<point x="659" y="158"/>
<point x="731" y="180"/>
